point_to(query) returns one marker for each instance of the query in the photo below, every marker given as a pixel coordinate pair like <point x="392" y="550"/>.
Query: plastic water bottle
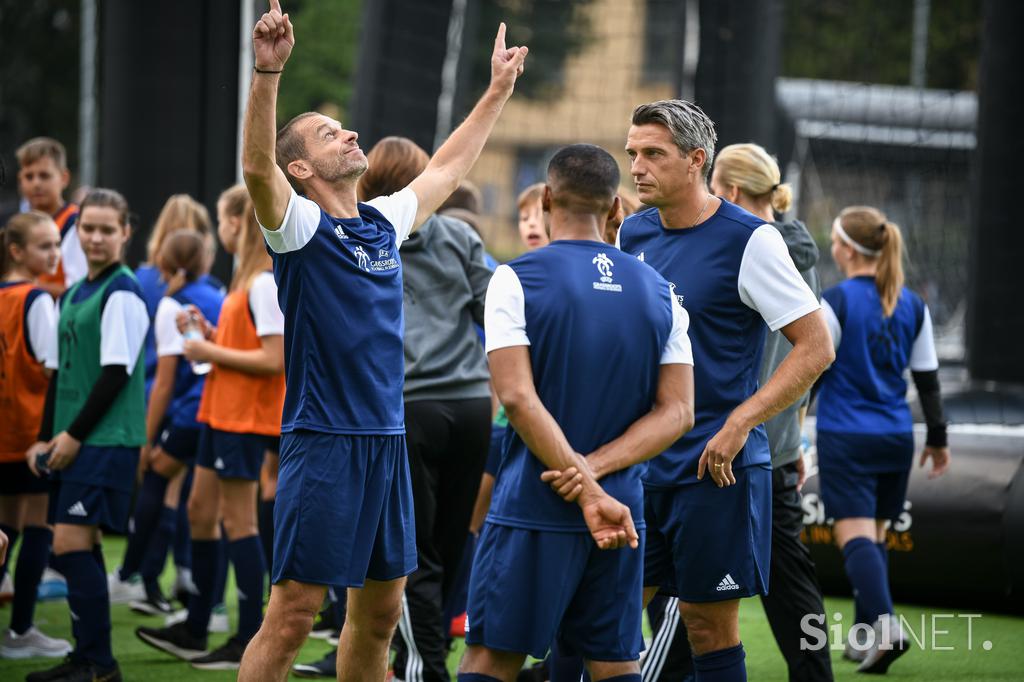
<point x="194" y="332"/>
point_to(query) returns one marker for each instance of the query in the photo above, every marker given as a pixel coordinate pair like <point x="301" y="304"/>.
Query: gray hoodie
<point x="784" y="428"/>
<point x="444" y="280"/>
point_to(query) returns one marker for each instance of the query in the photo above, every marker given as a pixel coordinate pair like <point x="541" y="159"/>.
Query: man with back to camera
<point x="344" y="510"/>
<point x="569" y="327"/>
<point x="709" y="541"/>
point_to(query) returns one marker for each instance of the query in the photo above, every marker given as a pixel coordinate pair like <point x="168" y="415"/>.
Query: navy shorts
<point x="181" y="443"/>
<point x="344" y="510"/>
<point x="17" y="479"/>
<point x="232" y="455"/>
<point x="707" y="544"/>
<point x="864" y="475"/>
<point x="83" y="504"/>
<point x="529" y="587"/>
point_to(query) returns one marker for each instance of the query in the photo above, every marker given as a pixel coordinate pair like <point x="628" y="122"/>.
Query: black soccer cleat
<point x="72" y="670"/>
<point x="175" y="640"/>
<point x="325" y="667"/>
<point x="226" y="657"/>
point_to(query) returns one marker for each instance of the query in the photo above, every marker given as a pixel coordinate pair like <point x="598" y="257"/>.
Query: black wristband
<point x="936" y="437"/>
<point x="259" y="70"/>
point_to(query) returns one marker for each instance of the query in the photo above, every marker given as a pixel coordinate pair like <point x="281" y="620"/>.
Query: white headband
<point x="859" y="248"/>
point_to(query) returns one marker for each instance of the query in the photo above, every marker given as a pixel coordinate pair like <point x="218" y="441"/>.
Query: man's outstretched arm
<point x="272" y="41"/>
<point x="456" y="156"/>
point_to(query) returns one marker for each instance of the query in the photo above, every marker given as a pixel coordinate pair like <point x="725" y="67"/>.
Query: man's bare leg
<point x="286" y="624"/>
<point x="372" y="614"/>
<point x="501" y="665"/>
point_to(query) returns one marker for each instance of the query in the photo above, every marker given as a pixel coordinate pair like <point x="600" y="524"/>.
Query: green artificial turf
<point x="1003" y="661"/>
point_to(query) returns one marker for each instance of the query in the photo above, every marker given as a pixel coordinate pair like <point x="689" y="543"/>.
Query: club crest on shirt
<point x="384" y="262"/>
<point x="604" y="268"/>
<point x="361" y="258"/>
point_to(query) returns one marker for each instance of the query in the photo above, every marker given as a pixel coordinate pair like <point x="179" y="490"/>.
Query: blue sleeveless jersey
<point x="865" y="391"/>
<point x="598" y="321"/>
<point x="727" y="336"/>
<point x="341" y="295"/>
<point x="188" y="386"/>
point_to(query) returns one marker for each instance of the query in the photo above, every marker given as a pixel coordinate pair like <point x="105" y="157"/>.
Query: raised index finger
<point x="275" y="4"/>
<point x="499" y="40"/>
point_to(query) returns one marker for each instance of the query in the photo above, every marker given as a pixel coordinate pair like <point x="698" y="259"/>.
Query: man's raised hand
<point x="273" y="39"/>
<point x="506" y="62"/>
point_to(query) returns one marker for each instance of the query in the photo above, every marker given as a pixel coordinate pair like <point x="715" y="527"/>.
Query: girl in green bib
<point x="93" y="425"/>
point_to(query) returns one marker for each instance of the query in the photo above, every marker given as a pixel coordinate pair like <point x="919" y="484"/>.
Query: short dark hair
<point x="689" y="126"/>
<point x="583" y="178"/>
<point x="291" y="146"/>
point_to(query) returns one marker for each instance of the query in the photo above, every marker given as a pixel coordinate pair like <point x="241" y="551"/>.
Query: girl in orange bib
<point x="240" y="417"/>
<point x="28" y="319"/>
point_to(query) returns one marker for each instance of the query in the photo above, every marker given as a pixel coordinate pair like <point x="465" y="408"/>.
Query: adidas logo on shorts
<point x="219" y="464"/>
<point x="77" y="509"/>
<point x="727" y="584"/>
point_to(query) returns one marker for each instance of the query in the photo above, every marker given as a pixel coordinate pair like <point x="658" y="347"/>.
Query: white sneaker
<point x="6" y="589"/>
<point x="889" y="644"/>
<point x="31" y="644"/>
<point x="218" y="619"/>
<point x="125" y="591"/>
<point x="856" y="643"/>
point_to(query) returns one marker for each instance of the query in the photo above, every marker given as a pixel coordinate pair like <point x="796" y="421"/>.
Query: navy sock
<point x="35" y="552"/>
<point x="97" y="555"/>
<point x="12" y="538"/>
<point x="634" y="677"/>
<point x="183" y="531"/>
<point x="222" y="570"/>
<point x="724" y="665"/>
<point x="266" y="525"/>
<point x="247" y="558"/>
<point x="475" y="677"/>
<point x="89" y="603"/>
<point x="156" y="552"/>
<point x="867" y="574"/>
<point x="205" y="560"/>
<point x="147" y="516"/>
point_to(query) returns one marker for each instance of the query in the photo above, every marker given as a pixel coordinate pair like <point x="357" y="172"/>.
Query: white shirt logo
<point x="672" y="288"/>
<point x="640" y="257"/>
<point x="604" y="268"/>
<point x="362" y="258"/>
<point x="340" y="232"/>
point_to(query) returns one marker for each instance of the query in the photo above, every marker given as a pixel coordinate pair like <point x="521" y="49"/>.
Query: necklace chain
<point x="703" y="208"/>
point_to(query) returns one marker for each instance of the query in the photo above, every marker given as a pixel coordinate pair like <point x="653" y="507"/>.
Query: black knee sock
<point x="89" y="603"/>
<point x="266" y="524"/>
<point x="35" y="552"/>
<point x="222" y="570"/>
<point x="247" y="558"/>
<point x="182" y="531"/>
<point x="205" y="560"/>
<point x="156" y="552"/>
<point x="147" y="516"/>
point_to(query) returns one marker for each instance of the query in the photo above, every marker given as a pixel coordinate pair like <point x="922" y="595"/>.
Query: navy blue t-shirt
<point x="733" y="274"/>
<point x="598" y="324"/>
<point x="340" y="289"/>
<point x="864" y="391"/>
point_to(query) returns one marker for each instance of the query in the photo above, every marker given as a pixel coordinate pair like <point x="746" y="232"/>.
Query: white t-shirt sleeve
<point x="832" y="322"/>
<point x="505" y="311"/>
<point x="123" y="327"/>
<point x="400" y="210"/>
<point x="677" y="348"/>
<point x="266" y="312"/>
<point x="922" y="355"/>
<point x="769" y="282"/>
<point x="169" y="340"/>
<point x="42" y="328"/>
<point x="52" y="360"/>
<point x="73" y="258"/>
<point x="301" y="219"/>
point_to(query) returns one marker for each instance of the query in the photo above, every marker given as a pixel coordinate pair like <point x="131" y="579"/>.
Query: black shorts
<point x="17" y="479"/>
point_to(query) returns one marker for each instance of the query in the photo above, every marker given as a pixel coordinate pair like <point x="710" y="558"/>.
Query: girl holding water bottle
<point x="240" y="412"/>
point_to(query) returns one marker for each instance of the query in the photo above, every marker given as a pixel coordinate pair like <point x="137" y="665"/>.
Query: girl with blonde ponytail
<point x="865" y="430"/>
